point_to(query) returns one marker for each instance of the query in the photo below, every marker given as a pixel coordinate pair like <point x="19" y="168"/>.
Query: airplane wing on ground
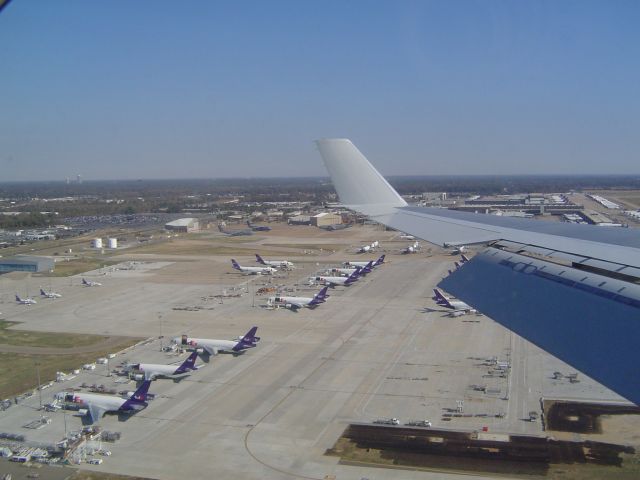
<point x="95" y="411"/>
<point x="573" y="290"/>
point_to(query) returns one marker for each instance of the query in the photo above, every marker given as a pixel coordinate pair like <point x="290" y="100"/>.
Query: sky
<point x="213" y="89"/>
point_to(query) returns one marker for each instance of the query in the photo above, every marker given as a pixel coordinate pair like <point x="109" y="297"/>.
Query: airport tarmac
<point x="380" y="348"/>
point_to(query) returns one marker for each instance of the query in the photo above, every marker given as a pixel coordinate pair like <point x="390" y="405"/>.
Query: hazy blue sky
<point x="161" y="89"/>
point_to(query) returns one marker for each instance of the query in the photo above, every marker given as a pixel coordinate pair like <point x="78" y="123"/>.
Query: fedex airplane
<point x="380" y="261"/>
<point x="212" y="347"/>
<point x="49" y="294"/>
<point x="97" y="404"/>
<point x="361" y="271"/>
<point x="294" y="303"/>
<point x="25" y="301"/>
<point x="334" y="281"/>
<point x="152" y="371"/>
<point x="455" y="305"/>
<point x="90" y="283"/>
<point x="258" y="228"/>
<point x="551" y="283"/>
<point x="253" y="270"/>
<point x="274" y="263"/>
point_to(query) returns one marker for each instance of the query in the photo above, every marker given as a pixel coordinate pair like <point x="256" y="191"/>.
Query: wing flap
<point x="593" y="324"/>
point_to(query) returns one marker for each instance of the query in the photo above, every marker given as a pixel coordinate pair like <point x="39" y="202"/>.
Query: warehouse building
<point x="183" y="225"/>
<point x="324" y="219"/>
<point x="26" y="263"/>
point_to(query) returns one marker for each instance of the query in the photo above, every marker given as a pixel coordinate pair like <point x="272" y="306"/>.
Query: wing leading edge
<point x="577" y="297"/>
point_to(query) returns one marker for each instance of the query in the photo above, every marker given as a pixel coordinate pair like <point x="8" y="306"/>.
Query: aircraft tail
<point x="355" y="179"/>
<point x="352" y="278"/>
<point x="250" y="336"/>
<point x="235" y="264"/>
<point x="18" y="299"/>
<point x="189" y="363"/>
<point x="260" y="260"/>
<point x="139" y="397"/>
<point x="319" y="297"/>
<point x="464" y="258"/>
<point x="380" y="261"/>
<point x="248" y="341"/>
<point x="440" y="298"/>
<point x="42" y="292"/>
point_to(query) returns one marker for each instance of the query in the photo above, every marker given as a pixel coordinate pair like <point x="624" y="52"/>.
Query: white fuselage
<point x="257" y="270"/>
<point x="151" y="370"/>
<point x="332" y="280"/>
<point x="278" y="263"/>
<point x="359" y="264"/>
<point x="107" y="402"/>
<point x="212" y="346"/>
<point x="343" y="271"/>
<point x="296" y="301"/>
<point x="26" y="301"/>
<point x="51" y="295"/>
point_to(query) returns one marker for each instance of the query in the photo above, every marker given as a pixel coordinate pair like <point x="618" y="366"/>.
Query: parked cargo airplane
<point x="49" y="294"/>
<point x="380" y="261"/>
<point x="152" y="371"/>
<point x="90" y="283"/>
<point x="25" y="301"/>
<point x="294" y="303"/>
<point x="456" y="305"/>
<point x="274" y="263"/>
<point x="551" y="283"/>
<point x="98" y="404"/>
<point x="253" y="270"/>
<point x="335" y="281"/>
<point x="212" y="347"/>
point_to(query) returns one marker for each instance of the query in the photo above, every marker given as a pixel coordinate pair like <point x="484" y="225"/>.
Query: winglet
<point x="355" y="179"/>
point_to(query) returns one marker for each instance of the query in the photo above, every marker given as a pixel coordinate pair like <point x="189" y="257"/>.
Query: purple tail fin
<point x="18" y="298"/>
<point x="380" y="261"/>
<point x="140" y="395"/>
<point x="235" y="264"/>
<point x="438" y="296"/>
<point x="250" y="336"/>
<point x="189" y="363"/>
<point x="42" y="293"/>
<point x="352" y="278"/>
<point x="322" y="294"/>
<point x="259" y="259"/>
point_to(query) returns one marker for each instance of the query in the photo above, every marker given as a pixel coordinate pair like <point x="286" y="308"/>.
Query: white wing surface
<point x="573" y="290"/>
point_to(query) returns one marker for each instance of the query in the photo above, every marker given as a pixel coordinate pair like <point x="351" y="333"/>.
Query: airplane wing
<point x="573" y="290"/>
<point x="95" y="411"/>
<point x="209" y="349"/>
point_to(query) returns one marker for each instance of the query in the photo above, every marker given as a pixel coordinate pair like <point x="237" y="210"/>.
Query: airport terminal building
<point x="26" y="263"/>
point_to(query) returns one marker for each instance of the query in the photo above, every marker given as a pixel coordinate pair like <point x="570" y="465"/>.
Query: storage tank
<point x="112" y="243"/>
<point x="96" y="243"/>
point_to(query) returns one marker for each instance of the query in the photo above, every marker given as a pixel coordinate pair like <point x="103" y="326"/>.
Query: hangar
<point x="26" y="263"/>
<point x="183" y="225"/>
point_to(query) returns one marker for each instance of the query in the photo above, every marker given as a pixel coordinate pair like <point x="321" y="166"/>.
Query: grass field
<point x="26" y="338"/>
<point x="18" y="371"/>
<point x="76" y="266"/>
<point x="193" y="247"/>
